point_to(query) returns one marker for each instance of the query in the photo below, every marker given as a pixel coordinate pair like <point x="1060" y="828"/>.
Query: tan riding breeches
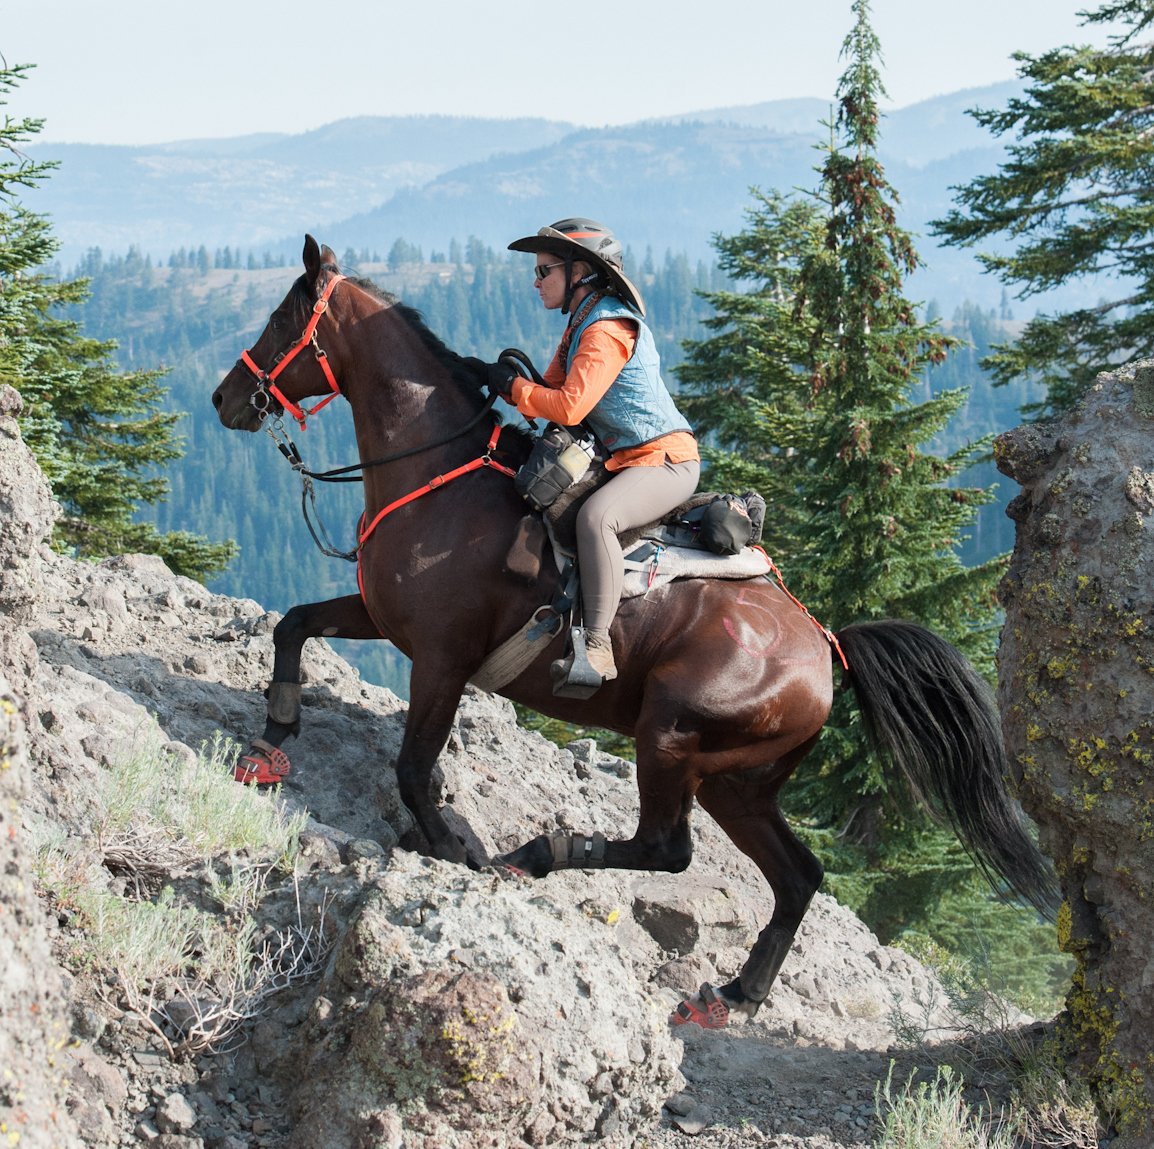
<point x="634" y="497"/>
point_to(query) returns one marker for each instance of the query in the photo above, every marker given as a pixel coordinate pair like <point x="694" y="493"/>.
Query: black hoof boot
<point x="534" y="858"/>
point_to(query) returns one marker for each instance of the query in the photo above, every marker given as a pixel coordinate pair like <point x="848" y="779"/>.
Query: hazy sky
<point x="149" y="71"/>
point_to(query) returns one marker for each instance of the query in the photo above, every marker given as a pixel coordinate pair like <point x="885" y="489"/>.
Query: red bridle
<point x="266" y="380"/>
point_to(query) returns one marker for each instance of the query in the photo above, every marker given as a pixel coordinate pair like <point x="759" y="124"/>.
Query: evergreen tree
<point x="745" y="388"/>
<point x="806" y="390"/>
<point x="99" y="436"/>
<point x="1075" y="199"/>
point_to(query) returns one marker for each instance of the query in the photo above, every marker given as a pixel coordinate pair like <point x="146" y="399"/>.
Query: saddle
<point x="709" y="536"/>
<point x="706" y="536"/>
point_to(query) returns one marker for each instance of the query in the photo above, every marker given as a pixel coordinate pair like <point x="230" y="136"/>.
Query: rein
<point x="344" y="474"/>
<point x="321" y="536"/>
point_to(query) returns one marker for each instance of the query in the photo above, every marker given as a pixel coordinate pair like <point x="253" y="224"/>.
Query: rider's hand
<point x="497" y="377"/>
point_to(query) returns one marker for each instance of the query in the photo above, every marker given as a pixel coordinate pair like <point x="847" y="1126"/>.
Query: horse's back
<point x="737" y="653"/>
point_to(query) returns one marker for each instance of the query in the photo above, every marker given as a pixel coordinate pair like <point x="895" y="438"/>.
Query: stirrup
<point x="263" y="765"/>
<point x="707" y="1009"/>
<point x="574" y="677"/>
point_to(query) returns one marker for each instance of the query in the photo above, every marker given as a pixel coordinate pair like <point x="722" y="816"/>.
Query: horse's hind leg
<point x="264" y="762"/>
<point x="745" y="806"/>
<point x="666" y="780"/>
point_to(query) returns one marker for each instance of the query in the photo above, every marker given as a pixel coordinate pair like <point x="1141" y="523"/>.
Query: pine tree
<point x="744" y="388"/>
<point x="99" y="436"/>
<point x="1075" y="199"/>
<point x="806" y="391"/>
<point x="883" y="526"/>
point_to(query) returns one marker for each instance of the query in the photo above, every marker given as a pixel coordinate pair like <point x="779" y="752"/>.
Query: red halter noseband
<point x="266" y="380"/>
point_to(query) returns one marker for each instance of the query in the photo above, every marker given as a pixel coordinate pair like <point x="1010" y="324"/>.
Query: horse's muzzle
<point x="234" y="408"/>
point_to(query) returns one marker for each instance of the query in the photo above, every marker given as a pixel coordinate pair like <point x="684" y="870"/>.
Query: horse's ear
<point x="317" y="258"/>
<point x="312" y="258"/>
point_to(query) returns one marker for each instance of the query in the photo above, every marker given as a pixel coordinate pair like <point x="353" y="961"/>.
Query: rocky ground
<point x="585" y="967"/>
<point x="802" y="1073"/>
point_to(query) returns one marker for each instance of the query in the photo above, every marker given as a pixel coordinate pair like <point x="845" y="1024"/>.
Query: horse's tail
<point x="927" y="709"/>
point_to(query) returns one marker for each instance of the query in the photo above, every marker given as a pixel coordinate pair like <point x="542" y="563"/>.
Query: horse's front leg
<point x="434" y="694"/>
<point x="265" y="763"/>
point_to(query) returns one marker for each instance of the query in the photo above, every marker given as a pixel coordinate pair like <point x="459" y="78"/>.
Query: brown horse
<point x="725" y="686"/>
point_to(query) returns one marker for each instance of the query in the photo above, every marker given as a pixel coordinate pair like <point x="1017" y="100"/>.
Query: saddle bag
<point x="555" y="463"/>
<point x="755" y="508"/>
<point x="723" y="524"/>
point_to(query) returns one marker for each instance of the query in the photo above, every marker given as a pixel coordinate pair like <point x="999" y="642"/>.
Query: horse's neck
<point x="404" y="399"/>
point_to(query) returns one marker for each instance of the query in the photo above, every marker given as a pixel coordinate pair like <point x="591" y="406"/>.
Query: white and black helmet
<point x="586" y="239"/>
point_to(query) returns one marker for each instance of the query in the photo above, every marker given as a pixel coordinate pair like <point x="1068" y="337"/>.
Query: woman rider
<point x="606" y="374"/>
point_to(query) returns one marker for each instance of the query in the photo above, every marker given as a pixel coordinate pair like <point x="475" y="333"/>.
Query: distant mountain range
<point x="664" y="185"/>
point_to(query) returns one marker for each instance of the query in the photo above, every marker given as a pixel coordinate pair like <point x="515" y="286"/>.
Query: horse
<point x="724" y="685"/>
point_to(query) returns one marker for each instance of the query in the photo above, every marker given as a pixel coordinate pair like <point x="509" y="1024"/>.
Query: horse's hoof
<point x="263" y="765"/>
<point x="707" y="1009"/>
<point x="534" y="859"/>
<point x="506" y="872"/>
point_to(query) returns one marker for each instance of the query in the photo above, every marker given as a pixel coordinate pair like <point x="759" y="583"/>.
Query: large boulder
<point x="466" y="1012"/>
<point x="1076" y="688"/>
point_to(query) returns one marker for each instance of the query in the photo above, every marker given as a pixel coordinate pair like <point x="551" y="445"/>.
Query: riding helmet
<point x="593" y="242"/>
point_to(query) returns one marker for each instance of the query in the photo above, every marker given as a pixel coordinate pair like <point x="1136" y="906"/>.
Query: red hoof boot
<point x="263" y="765"/>
<point x="707" y="1009"/>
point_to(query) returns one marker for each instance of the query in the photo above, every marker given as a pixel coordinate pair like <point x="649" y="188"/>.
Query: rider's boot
<point x="597" y="649"/>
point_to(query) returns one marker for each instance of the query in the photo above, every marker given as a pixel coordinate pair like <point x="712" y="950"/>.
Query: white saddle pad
<point x="653" y="564"/>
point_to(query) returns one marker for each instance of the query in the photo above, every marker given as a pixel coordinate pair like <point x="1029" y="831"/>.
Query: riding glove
<point x="498" y="377"/>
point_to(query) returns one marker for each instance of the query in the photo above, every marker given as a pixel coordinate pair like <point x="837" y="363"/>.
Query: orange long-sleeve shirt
<point x="567" y="398"/>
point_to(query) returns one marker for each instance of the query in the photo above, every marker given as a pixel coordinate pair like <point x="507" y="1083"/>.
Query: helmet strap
<point x="570" y="287"/>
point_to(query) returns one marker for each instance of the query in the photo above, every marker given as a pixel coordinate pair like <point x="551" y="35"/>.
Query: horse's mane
<point x="470" y="379"/>
<point x="464" y="374"/>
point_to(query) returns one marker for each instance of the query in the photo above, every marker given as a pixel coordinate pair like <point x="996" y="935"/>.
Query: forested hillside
<point x="988" y="410"/>
<point x="372" y="181"/>
<point x="197" y="311"/>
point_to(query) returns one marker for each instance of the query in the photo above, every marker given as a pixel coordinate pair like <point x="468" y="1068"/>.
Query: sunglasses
<point x="541" y="271"/>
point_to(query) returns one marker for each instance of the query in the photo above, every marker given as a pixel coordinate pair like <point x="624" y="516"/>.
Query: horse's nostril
<point x="217" y="399"/>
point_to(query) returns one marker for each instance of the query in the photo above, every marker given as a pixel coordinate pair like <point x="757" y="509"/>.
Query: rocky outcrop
<point x="456" y="1027"/>
<point x="35" y="1030"/>
<point x="1077" y="698"/>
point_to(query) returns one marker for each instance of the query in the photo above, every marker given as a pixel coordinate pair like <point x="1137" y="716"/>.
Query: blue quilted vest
<point x="637" y="408"/>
